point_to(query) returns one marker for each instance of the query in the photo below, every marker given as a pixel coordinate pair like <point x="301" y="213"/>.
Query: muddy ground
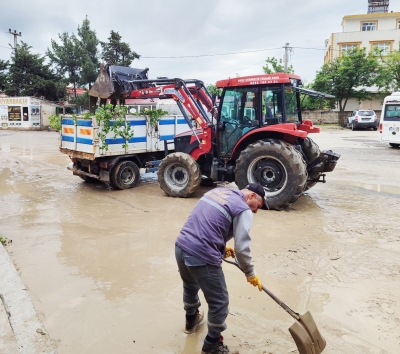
<point x="100" y="268"/>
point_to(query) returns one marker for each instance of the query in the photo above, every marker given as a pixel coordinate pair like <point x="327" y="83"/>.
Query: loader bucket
<point x="103" y="87"/>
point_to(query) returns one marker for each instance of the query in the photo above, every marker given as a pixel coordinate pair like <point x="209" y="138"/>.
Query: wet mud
<point x="100" y="269"/>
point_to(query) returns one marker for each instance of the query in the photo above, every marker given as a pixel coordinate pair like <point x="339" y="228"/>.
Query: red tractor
<point x="255" y="134"/>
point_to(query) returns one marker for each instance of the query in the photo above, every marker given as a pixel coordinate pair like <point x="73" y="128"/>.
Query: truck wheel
<point x="88" y="179"/>
<point x="277" y="166"/>
<point x="125" y="175"/>
<point x="311" y="151"/>
<point x="179" y="175"/>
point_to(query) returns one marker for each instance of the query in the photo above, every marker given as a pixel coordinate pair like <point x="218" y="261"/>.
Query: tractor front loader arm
<point x="119" y="83"/>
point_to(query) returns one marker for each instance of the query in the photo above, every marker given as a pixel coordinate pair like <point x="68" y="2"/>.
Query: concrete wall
<point x="321" y="117"/>
<point x="46" y="110"/>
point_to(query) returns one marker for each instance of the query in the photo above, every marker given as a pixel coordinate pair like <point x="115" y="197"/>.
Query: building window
<point x="347" y="47"/>
<point x="385" y="47"/>
<point x="368" y="26"/>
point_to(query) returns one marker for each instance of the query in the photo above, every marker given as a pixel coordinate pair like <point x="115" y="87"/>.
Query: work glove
<point x="229" y="252"/>
<point x="255" y="281"/>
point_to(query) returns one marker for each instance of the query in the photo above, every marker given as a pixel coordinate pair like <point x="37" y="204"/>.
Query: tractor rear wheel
<point x="276" y="165"/>
<point x="311" y="151"/>
<point x="179" y="175"/>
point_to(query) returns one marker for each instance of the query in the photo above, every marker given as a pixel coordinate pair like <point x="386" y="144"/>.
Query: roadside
<point x="21" y="330"/>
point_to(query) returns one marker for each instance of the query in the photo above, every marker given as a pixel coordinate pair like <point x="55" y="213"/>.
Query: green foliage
<point x="347" y="77"/>
<point x="55" y="122"/>
<point x="274" y="66"/>
<point x="153" y="115"/>
<point x="29" y="76"/>
<point x="81" y="100"/>
<point x="3" y="75"/>
<point x="389" y="75"/>
<point x="116" y="52"/>
<point x="67" y="57"/>
<point x="308" y="102"/>
<point x="90" y="63"/>
<point x="104" y="115"/>
<point x="3" y="240"/>
<point x="213" y="90"/>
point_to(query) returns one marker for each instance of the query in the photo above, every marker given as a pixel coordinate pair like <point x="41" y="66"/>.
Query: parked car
<point x="362" y="118"/>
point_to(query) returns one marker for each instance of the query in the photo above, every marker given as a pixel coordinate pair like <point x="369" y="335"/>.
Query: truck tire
<point x="311" y="151"/>
<point x="277" y="166"/>
<point x="179" y="175"/>
<point x="125" y="175"/>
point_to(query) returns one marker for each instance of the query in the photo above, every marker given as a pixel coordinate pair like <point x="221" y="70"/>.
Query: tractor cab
<point x="250" y="105"/>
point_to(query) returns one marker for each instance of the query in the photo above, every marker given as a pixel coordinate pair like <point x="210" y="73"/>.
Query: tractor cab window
<point x="291" y="103"/>
<point x="271" y="105"/>
<point x="239" y="114"/>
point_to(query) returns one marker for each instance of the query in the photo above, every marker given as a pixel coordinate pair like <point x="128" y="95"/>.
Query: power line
<point x="210" y="55"/>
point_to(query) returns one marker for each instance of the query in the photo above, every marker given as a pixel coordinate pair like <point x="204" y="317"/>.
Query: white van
<point x="389" y="125"/>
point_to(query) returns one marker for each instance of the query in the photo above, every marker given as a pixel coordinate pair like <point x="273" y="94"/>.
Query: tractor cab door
<point x="239" y="113"/>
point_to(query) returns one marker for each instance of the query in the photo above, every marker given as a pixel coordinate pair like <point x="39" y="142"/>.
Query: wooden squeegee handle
<point x="269" y="292"/>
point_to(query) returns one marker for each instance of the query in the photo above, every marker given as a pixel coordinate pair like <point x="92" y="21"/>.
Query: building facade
<point x="381" y="30"/>
<point x="25" y="113"/>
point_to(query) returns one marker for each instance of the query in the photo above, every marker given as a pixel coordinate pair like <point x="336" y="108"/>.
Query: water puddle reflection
<point x="380" y="188"/>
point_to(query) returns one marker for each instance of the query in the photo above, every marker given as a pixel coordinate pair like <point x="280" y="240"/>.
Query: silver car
<point x="362" y="118"/>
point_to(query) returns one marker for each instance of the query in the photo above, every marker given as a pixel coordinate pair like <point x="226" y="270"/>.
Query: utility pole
<point x="286" y="57"/>
<point x="15" y="34"/>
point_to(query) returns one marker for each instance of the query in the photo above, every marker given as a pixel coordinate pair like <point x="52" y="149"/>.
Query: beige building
<point x="26" y="113"/>
<point x="371" y="30"/>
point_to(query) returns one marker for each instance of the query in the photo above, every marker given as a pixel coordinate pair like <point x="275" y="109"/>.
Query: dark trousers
<point x="196" y="275"/>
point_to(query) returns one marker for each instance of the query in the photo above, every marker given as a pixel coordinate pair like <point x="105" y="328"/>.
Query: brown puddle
<point x="99" y="264"/>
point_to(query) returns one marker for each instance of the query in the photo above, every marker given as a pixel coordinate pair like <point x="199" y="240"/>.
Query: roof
<point x="372" y="15"/>
<point x="278" y="78"/>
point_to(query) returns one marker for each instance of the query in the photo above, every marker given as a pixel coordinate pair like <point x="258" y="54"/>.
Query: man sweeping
<point x="221" y="214"/>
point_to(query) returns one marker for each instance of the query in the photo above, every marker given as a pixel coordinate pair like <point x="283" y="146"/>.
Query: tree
<point x="348" y="77"/>
<point x="389" y="77"/>
<point x="213" y="90"/>
<point x="67" y="57"/>
<point x="29" y="76"/>
<point x="115" y="52"/>
<point x="273" y="66"/>
<point x="90" y="62"/>
<point x="3" y="68"/>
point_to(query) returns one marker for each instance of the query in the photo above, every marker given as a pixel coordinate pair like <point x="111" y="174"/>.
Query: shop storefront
<point x="23" y="112"/>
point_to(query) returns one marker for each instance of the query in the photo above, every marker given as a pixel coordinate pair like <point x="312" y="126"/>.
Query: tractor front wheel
<point x="179" y="175"/>
<point x="277" y="166"/>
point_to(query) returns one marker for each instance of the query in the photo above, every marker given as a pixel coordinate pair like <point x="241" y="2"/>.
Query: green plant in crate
<point x="152" y="115"/>
<point x="55" y="122"/>
<point x="107" y="114"/>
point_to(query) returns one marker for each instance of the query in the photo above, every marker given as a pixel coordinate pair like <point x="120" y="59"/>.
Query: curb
<point x="21" y="330"/>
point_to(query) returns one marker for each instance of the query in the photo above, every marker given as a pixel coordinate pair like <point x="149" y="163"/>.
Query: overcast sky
<point x="184" y="28"/>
